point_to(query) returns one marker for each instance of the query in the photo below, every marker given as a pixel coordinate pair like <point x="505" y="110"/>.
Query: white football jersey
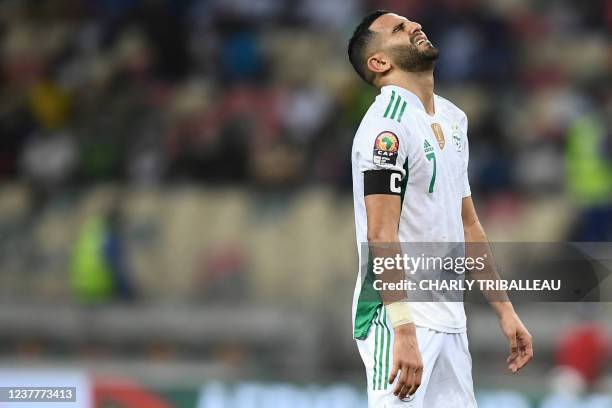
<point x="431" y="153"/>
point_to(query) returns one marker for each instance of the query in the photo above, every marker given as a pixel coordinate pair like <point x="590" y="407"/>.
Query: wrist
<point x="405" y="329"/>
<point x="399" y="313"/>
<point x="503" y="310"/>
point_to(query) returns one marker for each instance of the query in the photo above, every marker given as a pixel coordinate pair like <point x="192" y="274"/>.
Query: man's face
<point x="404" y="42"/>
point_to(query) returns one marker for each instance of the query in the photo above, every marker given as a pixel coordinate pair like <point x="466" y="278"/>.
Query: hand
<point x="521" y="347"/>
<point x="406" y="360"/>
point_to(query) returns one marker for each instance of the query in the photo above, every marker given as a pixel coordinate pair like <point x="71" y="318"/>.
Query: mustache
<point x="418" y="36"/>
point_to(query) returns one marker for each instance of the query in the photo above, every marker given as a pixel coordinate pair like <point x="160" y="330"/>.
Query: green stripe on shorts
<point x="388" y="347"/>
<point x="381" y="351"/>
<point x="382" y="348"/>
<point x="377" y="346"/>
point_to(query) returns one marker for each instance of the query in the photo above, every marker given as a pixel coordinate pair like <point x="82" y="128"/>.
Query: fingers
<point x="394" y="371"/>
<point x="529" y="347"/>
<point x="519" y="362"/>
<point x="524" y="353"/>
<point x="526" y="347"/>
<point x="402" y="382"/>
<point x="408" y="387"/>
<point x="418" y="372"/>
<point x="513" y="343"/>
<point x="409" y="381"/>
<point x="403" y="392"/>
<point x="514" y="354"/>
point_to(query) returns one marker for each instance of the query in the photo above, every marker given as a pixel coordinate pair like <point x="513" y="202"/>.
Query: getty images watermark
<point x="460" y="265"/>
<point x="458" y="271"/>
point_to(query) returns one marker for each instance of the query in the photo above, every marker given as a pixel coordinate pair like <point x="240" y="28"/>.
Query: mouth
<point x="420" y="39"/>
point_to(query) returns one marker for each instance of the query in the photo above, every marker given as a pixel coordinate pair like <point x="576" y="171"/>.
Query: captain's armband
<point x="382" y="182"/>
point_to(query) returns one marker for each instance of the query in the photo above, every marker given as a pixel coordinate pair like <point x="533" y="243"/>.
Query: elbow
<point x="381" y="236"/>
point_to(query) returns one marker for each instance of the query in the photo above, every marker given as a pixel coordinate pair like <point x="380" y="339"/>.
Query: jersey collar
<point x="413" y="100"/>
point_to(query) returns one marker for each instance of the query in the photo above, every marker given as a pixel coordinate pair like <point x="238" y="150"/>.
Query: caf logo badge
<point x="386" y="147"/>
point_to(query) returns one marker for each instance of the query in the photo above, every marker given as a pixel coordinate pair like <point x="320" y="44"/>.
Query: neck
<point x="419" y="83"/>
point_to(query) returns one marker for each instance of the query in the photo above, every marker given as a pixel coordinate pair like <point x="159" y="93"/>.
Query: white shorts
<point x="447" y="368"/>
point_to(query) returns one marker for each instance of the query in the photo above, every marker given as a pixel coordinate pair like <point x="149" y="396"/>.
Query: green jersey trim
<point x="366" y="310"/>
<point x="390" y="104"/>
<point x="396" y="106"/>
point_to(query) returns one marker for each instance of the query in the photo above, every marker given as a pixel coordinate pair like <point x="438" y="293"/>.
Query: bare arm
<point x="474" y="233"/>
<point x="383" y="214"/>
<point x="520" y="341"/>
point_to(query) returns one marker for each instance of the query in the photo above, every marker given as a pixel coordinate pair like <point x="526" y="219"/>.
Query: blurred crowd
<point x="260" y="91"/>
<point x="258" y="95"/>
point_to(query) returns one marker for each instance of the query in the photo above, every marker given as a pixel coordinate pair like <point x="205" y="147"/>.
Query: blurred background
<point x="176" y="221"/>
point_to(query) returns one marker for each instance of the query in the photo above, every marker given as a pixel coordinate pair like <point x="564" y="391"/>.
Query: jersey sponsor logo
<point x="456" y="136"/>
<point x="439" y="134"/>
<point x="386" y="147"/>
<point x="427" y="147"/>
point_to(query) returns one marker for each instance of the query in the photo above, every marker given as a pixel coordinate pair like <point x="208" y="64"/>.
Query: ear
<point x="378" y="63"/>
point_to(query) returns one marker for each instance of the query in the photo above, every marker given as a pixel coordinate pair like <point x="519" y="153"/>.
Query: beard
<point x="410" y="58"/>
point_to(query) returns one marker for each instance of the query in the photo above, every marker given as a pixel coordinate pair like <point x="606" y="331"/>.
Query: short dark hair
<point x="358" y="44"/>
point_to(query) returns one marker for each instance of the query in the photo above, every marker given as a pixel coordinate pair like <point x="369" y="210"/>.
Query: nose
<point x="414" y="27"/>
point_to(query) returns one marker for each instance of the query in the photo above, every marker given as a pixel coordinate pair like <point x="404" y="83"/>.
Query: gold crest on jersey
<point x="437" y="130"/>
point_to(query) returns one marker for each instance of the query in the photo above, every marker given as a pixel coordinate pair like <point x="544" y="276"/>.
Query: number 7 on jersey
<point x="432" y="156"/>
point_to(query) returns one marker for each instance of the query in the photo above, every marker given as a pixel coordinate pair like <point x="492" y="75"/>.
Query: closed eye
<point x="398" y="28"/>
